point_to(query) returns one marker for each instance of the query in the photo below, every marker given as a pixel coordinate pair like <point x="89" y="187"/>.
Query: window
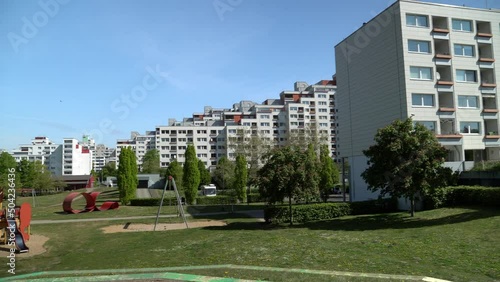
<point x="305" y="102"/>
<point x="469" y="127"/>
<point x="461" y="25"/>
<point x="323" y="110"/>
<point x="265" y="124"/>
<point x="464" y="50"/>
<point x="466" y="76"/>
<point x="419" y="46"/>
<point x="264" y="116"/>
<point x="422" y="100"/>
<point x="321" y="95"/>
<point x="467" y="102"/>
<point x="294" y="116"/>
<point x="422" y="73"/>
<point x="431" y="125"/>
<point x="416" y="20"/>
<point x="293" y="108"/>
<point x="322" y="103"/>
<point x="323" y="124"/>
<point x="233" y="131"/>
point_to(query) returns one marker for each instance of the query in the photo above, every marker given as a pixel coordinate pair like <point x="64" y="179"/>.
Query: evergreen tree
<point x="240" y="178"/>
<point x="127" y="175"/>
<point x="175" y="170"/>
<point x="191" y="176"/>
<point x="151" y="162"/>
<point x="8" y="166"/>
<point x="224" y="173"/>
<point x="329" y="174"/>
<point x="205" y="177"/>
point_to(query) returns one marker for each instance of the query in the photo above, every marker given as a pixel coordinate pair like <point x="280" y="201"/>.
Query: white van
<point x="209" y="190"/>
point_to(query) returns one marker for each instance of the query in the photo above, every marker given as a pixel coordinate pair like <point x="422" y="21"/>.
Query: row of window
<point x="427" y="100"/>
<point x="425" y="73"/>
<point x="424" y="47"/>
<point x="466" y="127"/>
<point x="423" y="21"/>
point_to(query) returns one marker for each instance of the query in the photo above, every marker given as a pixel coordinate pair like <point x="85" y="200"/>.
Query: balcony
<point x="483" y="29"/>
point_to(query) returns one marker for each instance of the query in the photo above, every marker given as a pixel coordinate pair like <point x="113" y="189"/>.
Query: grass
<point x="49" y="207"/>
<point x="460" y="244"/>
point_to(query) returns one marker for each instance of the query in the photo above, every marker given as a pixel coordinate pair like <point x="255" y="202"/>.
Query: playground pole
<point x="161" y="202"/>
<point x="33" y="192"/>
<point x="179" y="202"/>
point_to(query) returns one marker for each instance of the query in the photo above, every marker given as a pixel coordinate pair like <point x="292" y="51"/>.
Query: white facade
<point x="213" y="131"/>
<point x="40" y="149"/>
<point x="428" y="61"/>
<point x="76" y="157"/>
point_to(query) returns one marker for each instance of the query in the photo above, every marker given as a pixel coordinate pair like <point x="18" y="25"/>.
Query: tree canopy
<point x="240" y="178"/>
<point x="191" y="175"/>
<point x="205" y="176"/>
<point x="223" y="174"/>
<point x="285" y="175"/>
<point x="406" y="160"/>
<point x="151" y="162"/>
<point x="127" y="175"/>
<point x="174" y="169"/>
<point x="7" y="162"/>
<point x="328" y="172"/>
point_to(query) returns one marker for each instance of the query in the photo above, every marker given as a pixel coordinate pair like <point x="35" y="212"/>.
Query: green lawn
<point x="49" y="207"/>
<point x="459" y="244"/>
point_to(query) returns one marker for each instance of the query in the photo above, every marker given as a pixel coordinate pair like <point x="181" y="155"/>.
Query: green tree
<point x="251" y="144"/>
<point x="405" y="161"/>
<point x="310" y="192"/>
<point x="329" y="174"/>
<point x="223" y="174"/>
<point x="27" y="174"/>
<point x="7" y="165"/>
<point x="240" y="178"/>
<point x="109" y="170"/>
<point x="284" y="175"/>
<point x="127" y="175"/>
<point x="175" y="170"/>
<point x="151" y="162"/>
<point x="43" y="178"/>
<point x="191" y="175"/>
<point x="205" y="177"/>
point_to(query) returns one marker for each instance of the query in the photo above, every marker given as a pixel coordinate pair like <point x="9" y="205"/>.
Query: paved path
<point x="142" y="193"/>
<point x="253" y="213"/>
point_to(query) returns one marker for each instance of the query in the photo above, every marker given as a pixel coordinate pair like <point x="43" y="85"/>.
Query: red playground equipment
<point x="90" y="206"/>
<point x="15" y="230"/>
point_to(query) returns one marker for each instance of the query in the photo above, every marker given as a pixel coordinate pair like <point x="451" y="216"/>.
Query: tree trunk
<point x="412" y="205"/>
<point x="290" y="208"/>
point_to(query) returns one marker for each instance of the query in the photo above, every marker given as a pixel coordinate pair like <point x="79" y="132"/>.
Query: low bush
<point x="306" y="213"/>
<point x="154" y="202"/>
<point x="374" y="206"/>
<point x="473" y="195"/>
<point x="217" y="200"/>
<point x="255" y="198"/>
<point x="327" y="211"/>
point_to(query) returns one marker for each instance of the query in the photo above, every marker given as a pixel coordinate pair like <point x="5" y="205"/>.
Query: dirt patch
<point x="35" y="244"/>
<point x="138" y="227"/>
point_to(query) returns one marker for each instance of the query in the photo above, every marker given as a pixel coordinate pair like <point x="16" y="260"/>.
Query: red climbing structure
<point x="90" y="198"/>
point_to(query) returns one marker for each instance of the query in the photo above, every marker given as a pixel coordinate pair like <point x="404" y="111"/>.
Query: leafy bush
<point x="486" y="166"/>
<point x="306" y="213"/>
<point x="255" y="198"/>
<point x="473" y="195"/>
<point x="217" y="200"/>
<point x="374" y="206"/>
<point x="154" y="201"/>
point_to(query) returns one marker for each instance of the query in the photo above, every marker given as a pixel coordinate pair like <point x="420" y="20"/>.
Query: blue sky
<point x="111" y="67"/>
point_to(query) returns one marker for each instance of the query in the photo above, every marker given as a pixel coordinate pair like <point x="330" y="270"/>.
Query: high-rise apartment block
<point x="435" y="63"/>
<point x="215" y="130"/>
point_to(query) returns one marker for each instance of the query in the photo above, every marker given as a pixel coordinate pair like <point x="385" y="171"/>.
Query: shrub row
<point x="255" y="198"/>
<point x="218" y="200"/>
<point x="327" y="211"/>
<point x="463" y="196"/>
<point x="472" y="195"/>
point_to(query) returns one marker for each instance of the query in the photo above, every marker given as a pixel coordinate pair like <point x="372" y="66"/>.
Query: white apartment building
<point x="40" y="149"/>
<point x="101" y="156"/>
<point x="76" y="157"/>
<point x="433" y="62"/>
<point x="140" y="144"/>
<point x="213" y="131"/>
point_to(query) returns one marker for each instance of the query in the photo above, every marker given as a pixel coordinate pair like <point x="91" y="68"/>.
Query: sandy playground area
<point x="35" y="244"/>
<point x="138" y="227"/>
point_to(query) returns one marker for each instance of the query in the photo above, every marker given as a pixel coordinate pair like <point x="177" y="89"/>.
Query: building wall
<point x="370" y="81"/>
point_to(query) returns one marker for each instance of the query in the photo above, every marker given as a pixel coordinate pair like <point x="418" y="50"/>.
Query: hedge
<point x="327" y="211"/>
<point x="472" y="195"/>
<point x="218" y="200"/>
